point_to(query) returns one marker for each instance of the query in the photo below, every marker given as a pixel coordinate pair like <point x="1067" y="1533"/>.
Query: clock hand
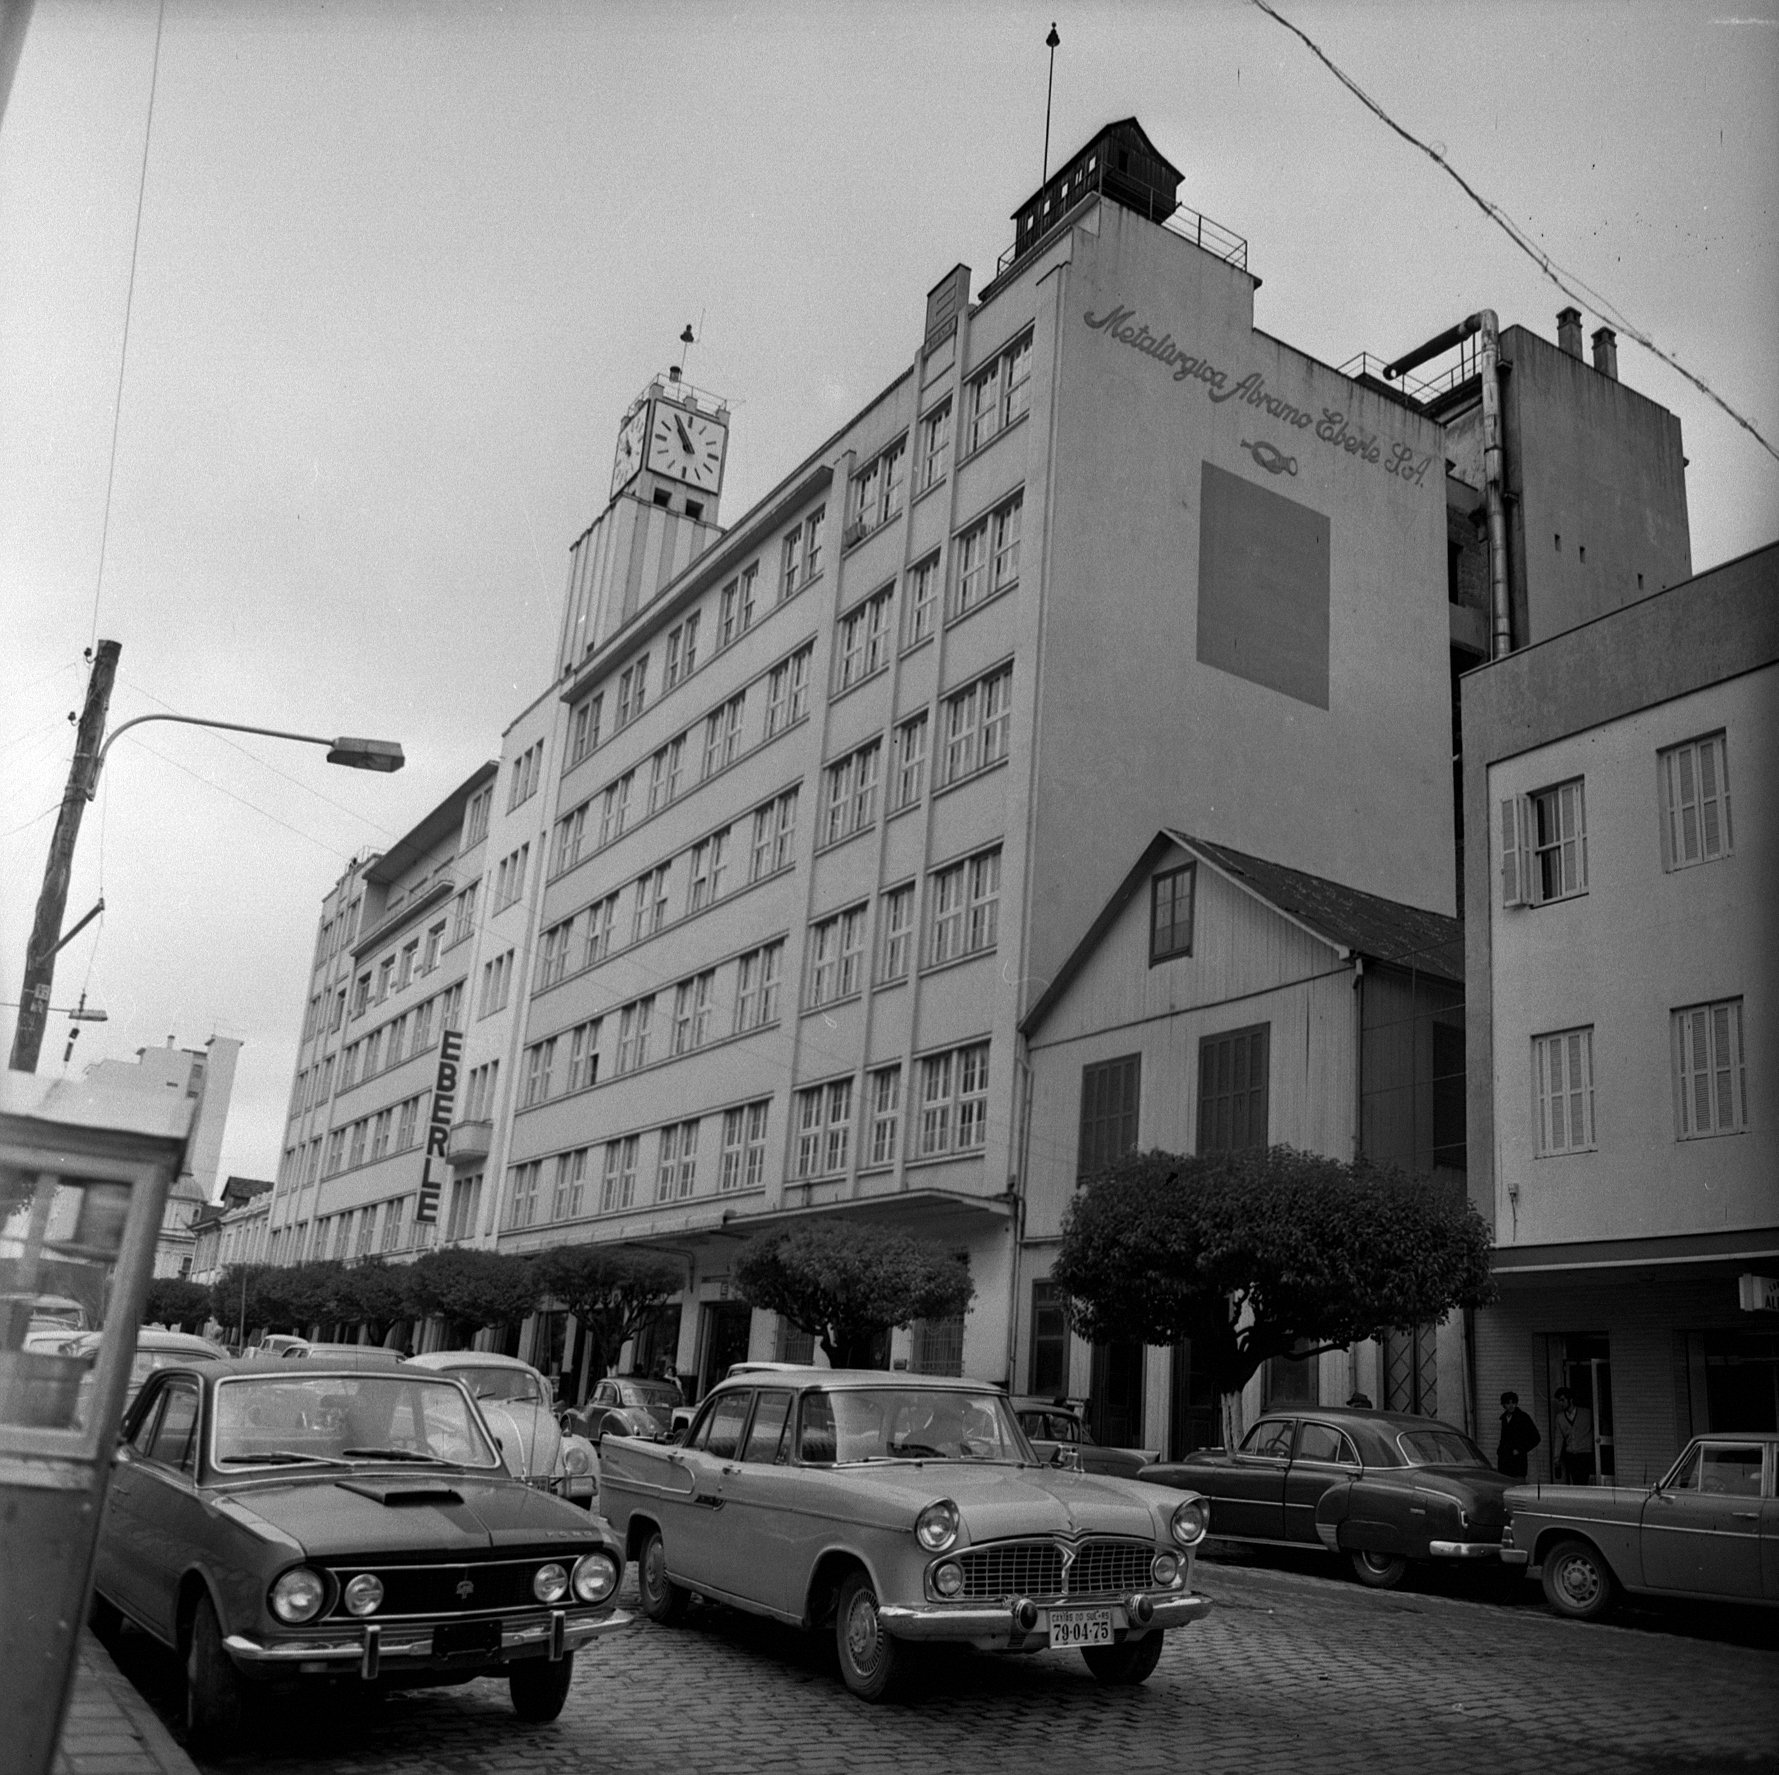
<point x="685" y="437"/>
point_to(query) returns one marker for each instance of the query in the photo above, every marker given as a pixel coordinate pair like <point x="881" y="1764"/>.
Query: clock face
<point x="630" y="447"/>
<point x="687" y="446"/>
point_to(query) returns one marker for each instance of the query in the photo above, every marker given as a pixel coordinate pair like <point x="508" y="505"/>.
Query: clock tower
<point x="667" y="475"/>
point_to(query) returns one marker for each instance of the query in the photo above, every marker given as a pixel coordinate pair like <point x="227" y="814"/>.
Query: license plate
<point x="466" y="1639"/>
<point x="1080" y="1627"/>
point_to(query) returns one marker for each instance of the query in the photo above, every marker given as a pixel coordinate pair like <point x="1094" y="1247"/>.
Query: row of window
<point x="359" y="1232"/>
<point x="509" y="878"/>
<point x="528" y="770"/>
<point x="1709" y="1079"/>
<point x="385" y="1047"/>
<point x="397" y="970"/>
<point x="334" y="935"/>
<point x="1544" y="839"/>
<point x="396" y="1129"/>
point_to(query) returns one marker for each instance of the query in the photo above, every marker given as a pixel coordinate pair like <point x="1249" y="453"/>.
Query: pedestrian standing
<point x="1519" y="1436"/>
<point x="1572" y="1440"/>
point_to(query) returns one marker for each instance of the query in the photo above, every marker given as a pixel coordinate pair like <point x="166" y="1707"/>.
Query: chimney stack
<point x="1606" y="352"/>
<point x="1569" y="331"/>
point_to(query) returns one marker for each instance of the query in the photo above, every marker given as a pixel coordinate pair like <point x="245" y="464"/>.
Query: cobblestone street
<point x="1294" y="1671"/>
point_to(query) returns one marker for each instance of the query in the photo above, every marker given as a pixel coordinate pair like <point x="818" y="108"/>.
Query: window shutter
<point x="1513" y="853"/>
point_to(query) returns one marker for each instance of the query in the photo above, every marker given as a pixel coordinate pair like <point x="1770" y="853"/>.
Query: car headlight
<point x="364" y="1595"/>
<point x="297" y="1596"/>
<point x="595" y="1577"/>
<point x="948" y="1580"/>
<point x="1190" y="1521"/>
<point x="576" y="1460"/>
<point x="1166" y="1569"/>
<point x="549" y="1583"/>
<point x="936" y="1526"/>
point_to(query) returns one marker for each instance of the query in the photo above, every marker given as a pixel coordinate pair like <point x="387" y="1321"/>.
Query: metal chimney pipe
<point x="1494" y="477"/>
<point x="1606" y="352"/>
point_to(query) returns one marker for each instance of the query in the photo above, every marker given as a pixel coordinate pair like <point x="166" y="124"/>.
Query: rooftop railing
<point x="1464" y="363"/>
<point x="1211" y="237"/>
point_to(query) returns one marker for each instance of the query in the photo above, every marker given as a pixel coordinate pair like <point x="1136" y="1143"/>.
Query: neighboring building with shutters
<point x="1623" y="972"/>
<point x="1221" y="1001"/>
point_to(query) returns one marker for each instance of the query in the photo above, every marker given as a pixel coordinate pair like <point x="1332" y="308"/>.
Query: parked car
<point x="515" y="1399"/>
<point x="275" y="1345"/>
<point x="305" y="1524"/>
<point x="892" y="1509"/>
<point x="1382" y="1487"/>
<point x="1709" y="1528"/>
<point x="154" y="1349"/>
<point x="1060" y="1434"/>
<point x="344" y="1355"/>
<point x="645" y="1404"/>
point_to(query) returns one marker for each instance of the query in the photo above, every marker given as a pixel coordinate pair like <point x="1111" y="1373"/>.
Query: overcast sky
<point x="402" y="266"/>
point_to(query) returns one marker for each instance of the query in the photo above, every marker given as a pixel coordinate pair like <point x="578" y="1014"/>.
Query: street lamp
<point x="354" y="754"/>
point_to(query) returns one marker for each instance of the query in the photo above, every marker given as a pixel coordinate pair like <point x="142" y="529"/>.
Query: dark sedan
<point x="306" y="1523"/>
<point x="1382" y="1487"/>
<point x="1060" y="1434"/>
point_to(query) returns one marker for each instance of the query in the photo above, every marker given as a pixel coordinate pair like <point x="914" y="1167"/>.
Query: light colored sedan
<point x="515" y="1399"/>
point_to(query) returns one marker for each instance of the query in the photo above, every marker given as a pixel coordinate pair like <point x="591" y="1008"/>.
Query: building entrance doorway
<point x="1192" y="1407"/>
<point x="723" y="1340"/>
<point x="1582" y="1363"/>
<point x="1115" y="1411"/>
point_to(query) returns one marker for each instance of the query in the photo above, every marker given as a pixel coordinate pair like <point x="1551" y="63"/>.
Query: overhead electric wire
<point x="1571" y="285"/>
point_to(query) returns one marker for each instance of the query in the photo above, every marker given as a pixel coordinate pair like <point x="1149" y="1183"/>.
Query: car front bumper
<point x="389" y="1647"/>
<point x="996" y="1626"/>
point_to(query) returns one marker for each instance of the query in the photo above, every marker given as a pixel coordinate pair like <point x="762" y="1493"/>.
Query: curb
<point x="97" y="1668"/>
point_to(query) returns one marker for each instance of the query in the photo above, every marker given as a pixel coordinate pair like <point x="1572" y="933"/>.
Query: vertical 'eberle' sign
<point x="438" y="1130"/>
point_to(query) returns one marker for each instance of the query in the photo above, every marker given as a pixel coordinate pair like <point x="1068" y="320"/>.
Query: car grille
<point x="441" y="1589"/>
<point x="1042" y="1569"/>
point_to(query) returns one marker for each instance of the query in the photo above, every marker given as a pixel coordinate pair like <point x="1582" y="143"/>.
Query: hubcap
<point x="862" y="1631"/>
<point x="653" y="1566"/>
<point x="1579" y="1581"/>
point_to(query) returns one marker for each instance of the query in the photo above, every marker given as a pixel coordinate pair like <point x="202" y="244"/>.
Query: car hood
<point x="996" y="1502"/>
<point x="530" y="1437"/>
<point x="381" y="1510"/>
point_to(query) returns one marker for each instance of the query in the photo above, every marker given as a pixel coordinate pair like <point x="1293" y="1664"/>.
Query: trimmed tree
<point x="179" y="1305"/>
<point x="1265" y="1253"/>
<point x="470" y="1290"/>
<point x="611" y="1292"/>
<point x="846" y="1286"/>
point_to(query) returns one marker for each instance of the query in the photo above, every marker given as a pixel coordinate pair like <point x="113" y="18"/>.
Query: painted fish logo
<point x="465" y="1590"/>
<point x="1275" y="462"/>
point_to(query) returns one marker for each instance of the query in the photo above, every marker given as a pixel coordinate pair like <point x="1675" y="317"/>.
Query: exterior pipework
<point x="1499" y="607"/>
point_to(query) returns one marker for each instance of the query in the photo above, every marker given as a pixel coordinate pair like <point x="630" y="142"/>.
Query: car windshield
<point x="910" y="1423"/>
<point x="503" y="1384"/>
<point x="327" y="1419"/>
<point x="1439" y="1448"/>
<point x="655" y="1396"/>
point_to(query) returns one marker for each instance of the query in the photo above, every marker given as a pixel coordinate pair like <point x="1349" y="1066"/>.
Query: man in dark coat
<point x="1519" y="1436"/>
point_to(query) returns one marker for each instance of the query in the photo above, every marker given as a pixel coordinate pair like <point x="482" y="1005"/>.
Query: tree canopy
<point x="846" y="1286"/>
<point x="176" y="1304"/>
<point x="470" y="1289"/>
<point x="610" y="1291"/>
<point x="1263" y="1253"/>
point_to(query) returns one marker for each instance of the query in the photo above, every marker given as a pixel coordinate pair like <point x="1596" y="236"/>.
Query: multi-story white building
<point x="1623" y="987"/>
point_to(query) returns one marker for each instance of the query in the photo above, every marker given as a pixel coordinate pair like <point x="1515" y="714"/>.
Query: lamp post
<point x="83" y="782"/>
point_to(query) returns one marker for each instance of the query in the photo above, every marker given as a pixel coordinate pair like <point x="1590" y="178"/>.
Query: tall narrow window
<point x="923" y="599"/>
<point x="1563" y="1091"/>
<point x="911" y="762"/>
<point x="675" y="1171"/>
<point x="617" y="1188"/>
<point x="897" y="933"/>
<point x="1110" y="1095"/>
<point x="824" y="1129"/>
<point x="1710" y="1082"/>
<point x="744" y="1146"/>
<point x="935" y="445"/>
<point x="1170" y="914"/>
<point x="886" y="1113"/>
<point x="1695" y="802"/>
<point x="634" y="1024"/>
<point x="1233" y="1075"/>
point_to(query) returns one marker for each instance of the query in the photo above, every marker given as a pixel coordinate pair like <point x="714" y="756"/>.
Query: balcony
<point x="470" y="1142"/>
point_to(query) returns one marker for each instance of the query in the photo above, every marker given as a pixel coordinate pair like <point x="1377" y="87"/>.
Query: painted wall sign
<point x="1332" y="426"/>
<point x="438" y="1129"/>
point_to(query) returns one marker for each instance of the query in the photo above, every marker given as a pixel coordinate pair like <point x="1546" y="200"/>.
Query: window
<point x="898" y="926"/>
<point x="664" y="773"/>
<point x="385" y="976"/>
<point x="1110" y="1091"/>
<point x="736" y="607"/>
<point x="617" y="1188"/>
<point x="722" y="734"/>
<point x="876" y="493"/>
<point x="451" y="1006"/>
<point x="381" y="1123"/>
<point x="1695" y="802"/>
<point x="509" y="878"/>
<point x="864" y="639"/>
<point x="497" y="983"/>
<point x="775" y="833"/>
<point x="583" y="1055"/>
<point x="976" y="723"/>
<point x="583" y="727"/>
<point x="651" y="903"/>
<point x="465" y="922"/>
<point x="966" y="907"/>
<point x="691" y="1012"/>
<point x="678" y="1162"/>
<point x="1001" y="393"/>
<point x="988" y="556"/>
<point x="1170" y="914"/>
<point x="1049" y="1357"/>
<point x="528" y="767"/>
<point x="540" y="1061"/>
<point x="339" y="1015"/>
<point x="938" y="1345"/>
<point x="1544" y="845"/>
<point x="600" y="917"/>
<point x="934" y="446"/>
<point x="851" y="793"/>
<point x="824" y="1128"/>
<point x="710" y="866"/>
<point x="524" y="1183"/>
<point x="1709" y="1079"/>
<point x="398" y="1037"/>
<point x="404" y="966"/>
<point x="954" y="1101"/>
<point x="744" y="1146"/>
<point x="423" y="1014"/>
<point x="478" y="1098"/>
<point x="911" y="762"/>
<point x="802" y="554"/>
<point x="633" y="691"/>
<point x="475" y="817"/>
<point x="756" y="987"/>
<point x="1563" y="1090"/>
<point x="360" y="1132"/>
<point x="634" y="1022"/>
<point x="361" y="994"/>
<point x="553" y="957"/>
<point x="885" y="1100"/>
<point x="466" y="1207"/>
<point x="682" y="651"/>
<point x="1233" y="1071"/>
<point x="835" y="948"/>
<point x="787" y="691"/>
<point x="614" y="808"/>
<point x="923" y="598"/>
<point x="570" y="1198"/>
<point x="435" y="941"/>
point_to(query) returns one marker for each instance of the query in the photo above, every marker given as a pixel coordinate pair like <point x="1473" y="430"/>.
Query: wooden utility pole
<point x="52" y="902"/>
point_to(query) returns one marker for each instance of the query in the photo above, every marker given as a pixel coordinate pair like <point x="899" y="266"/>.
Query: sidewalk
<point x="110" y="1729"/>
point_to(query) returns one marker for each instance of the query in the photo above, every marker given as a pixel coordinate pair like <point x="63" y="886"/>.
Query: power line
<point x="1574" y="288"/>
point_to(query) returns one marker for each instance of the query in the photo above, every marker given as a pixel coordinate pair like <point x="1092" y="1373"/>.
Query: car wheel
<point x="1379" y="1571"/>
<point x="1577" y="1581"/>
<point x="662" y="1599"/>
<point x="870" y="1660"/>
<point x="1127" y="1665"/>
<point x="539" y="1687"/>
<point x="215" y="1691"/>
